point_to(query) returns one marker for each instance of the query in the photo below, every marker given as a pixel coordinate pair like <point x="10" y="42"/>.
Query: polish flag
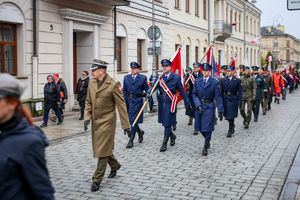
<point x="232" y="62"/>
<point x="177" y="68"/>
<point x="256" y="40"/>
<point x="209" y="56"/>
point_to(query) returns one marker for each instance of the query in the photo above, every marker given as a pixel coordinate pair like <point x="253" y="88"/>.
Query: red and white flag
<point x="177" y="68"/>
<point x="209" y="56"/>
<point x="256" y="40"/>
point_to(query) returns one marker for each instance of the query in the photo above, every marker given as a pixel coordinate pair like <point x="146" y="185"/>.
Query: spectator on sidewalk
<point x="23" y="171"/>
<point x="51" y="98"/>
<point x="82" y="86"/>
<point x="63" y="94"/>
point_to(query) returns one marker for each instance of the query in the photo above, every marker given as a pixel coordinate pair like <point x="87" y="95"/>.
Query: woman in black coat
<point x="82" y="86"/>
<point x="23" y="170"/>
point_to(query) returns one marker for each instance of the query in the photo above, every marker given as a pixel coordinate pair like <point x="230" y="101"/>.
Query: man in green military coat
<point x="103" y="96"/>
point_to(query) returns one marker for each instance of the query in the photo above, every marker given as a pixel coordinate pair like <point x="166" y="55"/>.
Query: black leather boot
<point x="172" y="140"/>
<point x="255" y="118"/>
<point x="141" y="134"/>
<point x="130" y="142"/>
<point x="204" y="151"/>
<point x="195" y="132"/>
<point x="164" y="144"/>
<point x="229" y="130"/>
<point x="190" y="121"/>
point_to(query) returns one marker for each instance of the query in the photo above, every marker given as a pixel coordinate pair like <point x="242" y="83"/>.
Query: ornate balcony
<point x="222" y="30"/>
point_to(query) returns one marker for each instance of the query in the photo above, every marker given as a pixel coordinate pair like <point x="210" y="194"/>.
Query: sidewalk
<point x="291" y="189"/>
<point x="70" y="127"/>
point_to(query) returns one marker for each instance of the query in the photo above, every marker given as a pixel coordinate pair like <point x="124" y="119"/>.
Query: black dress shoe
<point x="95" y="187"/>
<point x="173" y="138"/>
<point x="255" y="120"/>
<point x="112" y="174"/>
<point x="81" y="118"/>
<point x="195" y="132"/>
<point x="59" y="122"/>
<point x="141" y="134"/>
<point x="43" y="125"/>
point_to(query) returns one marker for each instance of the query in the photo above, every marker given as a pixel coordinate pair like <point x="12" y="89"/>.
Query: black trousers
<point x="82" y="106"/>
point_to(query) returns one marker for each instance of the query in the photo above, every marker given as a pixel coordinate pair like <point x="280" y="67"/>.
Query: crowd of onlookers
<point x="56" y="96"/>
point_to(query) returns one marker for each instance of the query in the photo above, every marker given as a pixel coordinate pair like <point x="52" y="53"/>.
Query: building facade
<point x="42" y="37"/>
<point x="285" y="48"/>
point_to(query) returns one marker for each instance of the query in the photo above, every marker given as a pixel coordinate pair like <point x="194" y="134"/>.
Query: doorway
<point x="82" y="54"/>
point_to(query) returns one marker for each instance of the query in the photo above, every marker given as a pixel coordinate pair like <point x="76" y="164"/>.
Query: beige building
<point x="41" y="37"/>
<point x="284" y="47"/>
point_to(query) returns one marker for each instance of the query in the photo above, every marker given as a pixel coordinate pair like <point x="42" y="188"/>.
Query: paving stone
<point x="252" y="164"/>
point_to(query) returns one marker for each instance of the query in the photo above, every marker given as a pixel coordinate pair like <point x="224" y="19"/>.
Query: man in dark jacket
<point x="82" y="85"/>
<point x="23" y="170"/>
<point x="51" y="97"/>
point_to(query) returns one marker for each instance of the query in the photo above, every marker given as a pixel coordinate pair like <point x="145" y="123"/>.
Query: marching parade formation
<point x="205" y="89"/>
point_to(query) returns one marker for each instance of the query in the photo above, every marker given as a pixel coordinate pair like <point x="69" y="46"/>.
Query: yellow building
<point x="285" y="48"/>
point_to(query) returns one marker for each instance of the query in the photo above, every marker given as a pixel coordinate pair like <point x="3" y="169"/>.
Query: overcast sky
<point x="275" y="11"/>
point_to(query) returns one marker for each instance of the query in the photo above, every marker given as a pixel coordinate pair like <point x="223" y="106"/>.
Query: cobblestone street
<point x="253" y="164"/>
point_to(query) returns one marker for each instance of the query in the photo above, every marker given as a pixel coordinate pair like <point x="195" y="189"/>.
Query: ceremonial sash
<point x="170" y="94"/>
<point x="193" y="79"/>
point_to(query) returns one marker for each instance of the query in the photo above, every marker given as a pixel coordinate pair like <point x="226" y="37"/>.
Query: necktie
<point x="205" y="80"/>
<point x="133" y="77"/>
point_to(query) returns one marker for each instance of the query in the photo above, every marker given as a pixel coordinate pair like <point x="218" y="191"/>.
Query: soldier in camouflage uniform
<point x="267" y="95"/>
<point x="249" y="94"/>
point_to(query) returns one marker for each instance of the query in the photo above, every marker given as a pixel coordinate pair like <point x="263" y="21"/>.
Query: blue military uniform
<point x="205" y="92"/>
<point x="231" y="91"/>
<point x="190" y="85"/>
<point x="165" y="116"/>
<point x="260" y="87"/>
<point x="134" y="89"/>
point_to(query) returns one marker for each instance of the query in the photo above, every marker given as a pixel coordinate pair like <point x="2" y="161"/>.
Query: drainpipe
<point x="34" y="70"/>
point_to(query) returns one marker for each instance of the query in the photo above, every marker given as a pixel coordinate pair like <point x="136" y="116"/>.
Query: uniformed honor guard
<point x="135" y="87"/>
<point x="169" y="84"/>
<point x="260" y="87"/>
<point x="267" y="95"/>
<point x="223" y="72"/>
<point x="190" y="84"/>
<point x="103" y="96"/>
<point x="205" y="91"/>
<point x="231" y="91"/>
<point x="249" y="93"/>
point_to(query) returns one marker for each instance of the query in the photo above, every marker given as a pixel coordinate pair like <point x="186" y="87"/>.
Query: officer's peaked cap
<point x="255" y="68"/>
<point x="196" y="64"/>
<point x="206" y="66"/>
<point x="224" y="66"/>
<point x="134" y="65"/>
<point x="230" y="68"/>
<point x="10" y="86"/>
<point x="99" y="64"/>
<point x="166" y="62"/>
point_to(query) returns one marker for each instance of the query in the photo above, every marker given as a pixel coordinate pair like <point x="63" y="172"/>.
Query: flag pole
<point x="208" y="49"/>
<point x="145" y="103"/>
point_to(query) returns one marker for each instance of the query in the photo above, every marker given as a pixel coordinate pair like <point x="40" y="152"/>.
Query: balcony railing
<point x="222" y="27"/>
